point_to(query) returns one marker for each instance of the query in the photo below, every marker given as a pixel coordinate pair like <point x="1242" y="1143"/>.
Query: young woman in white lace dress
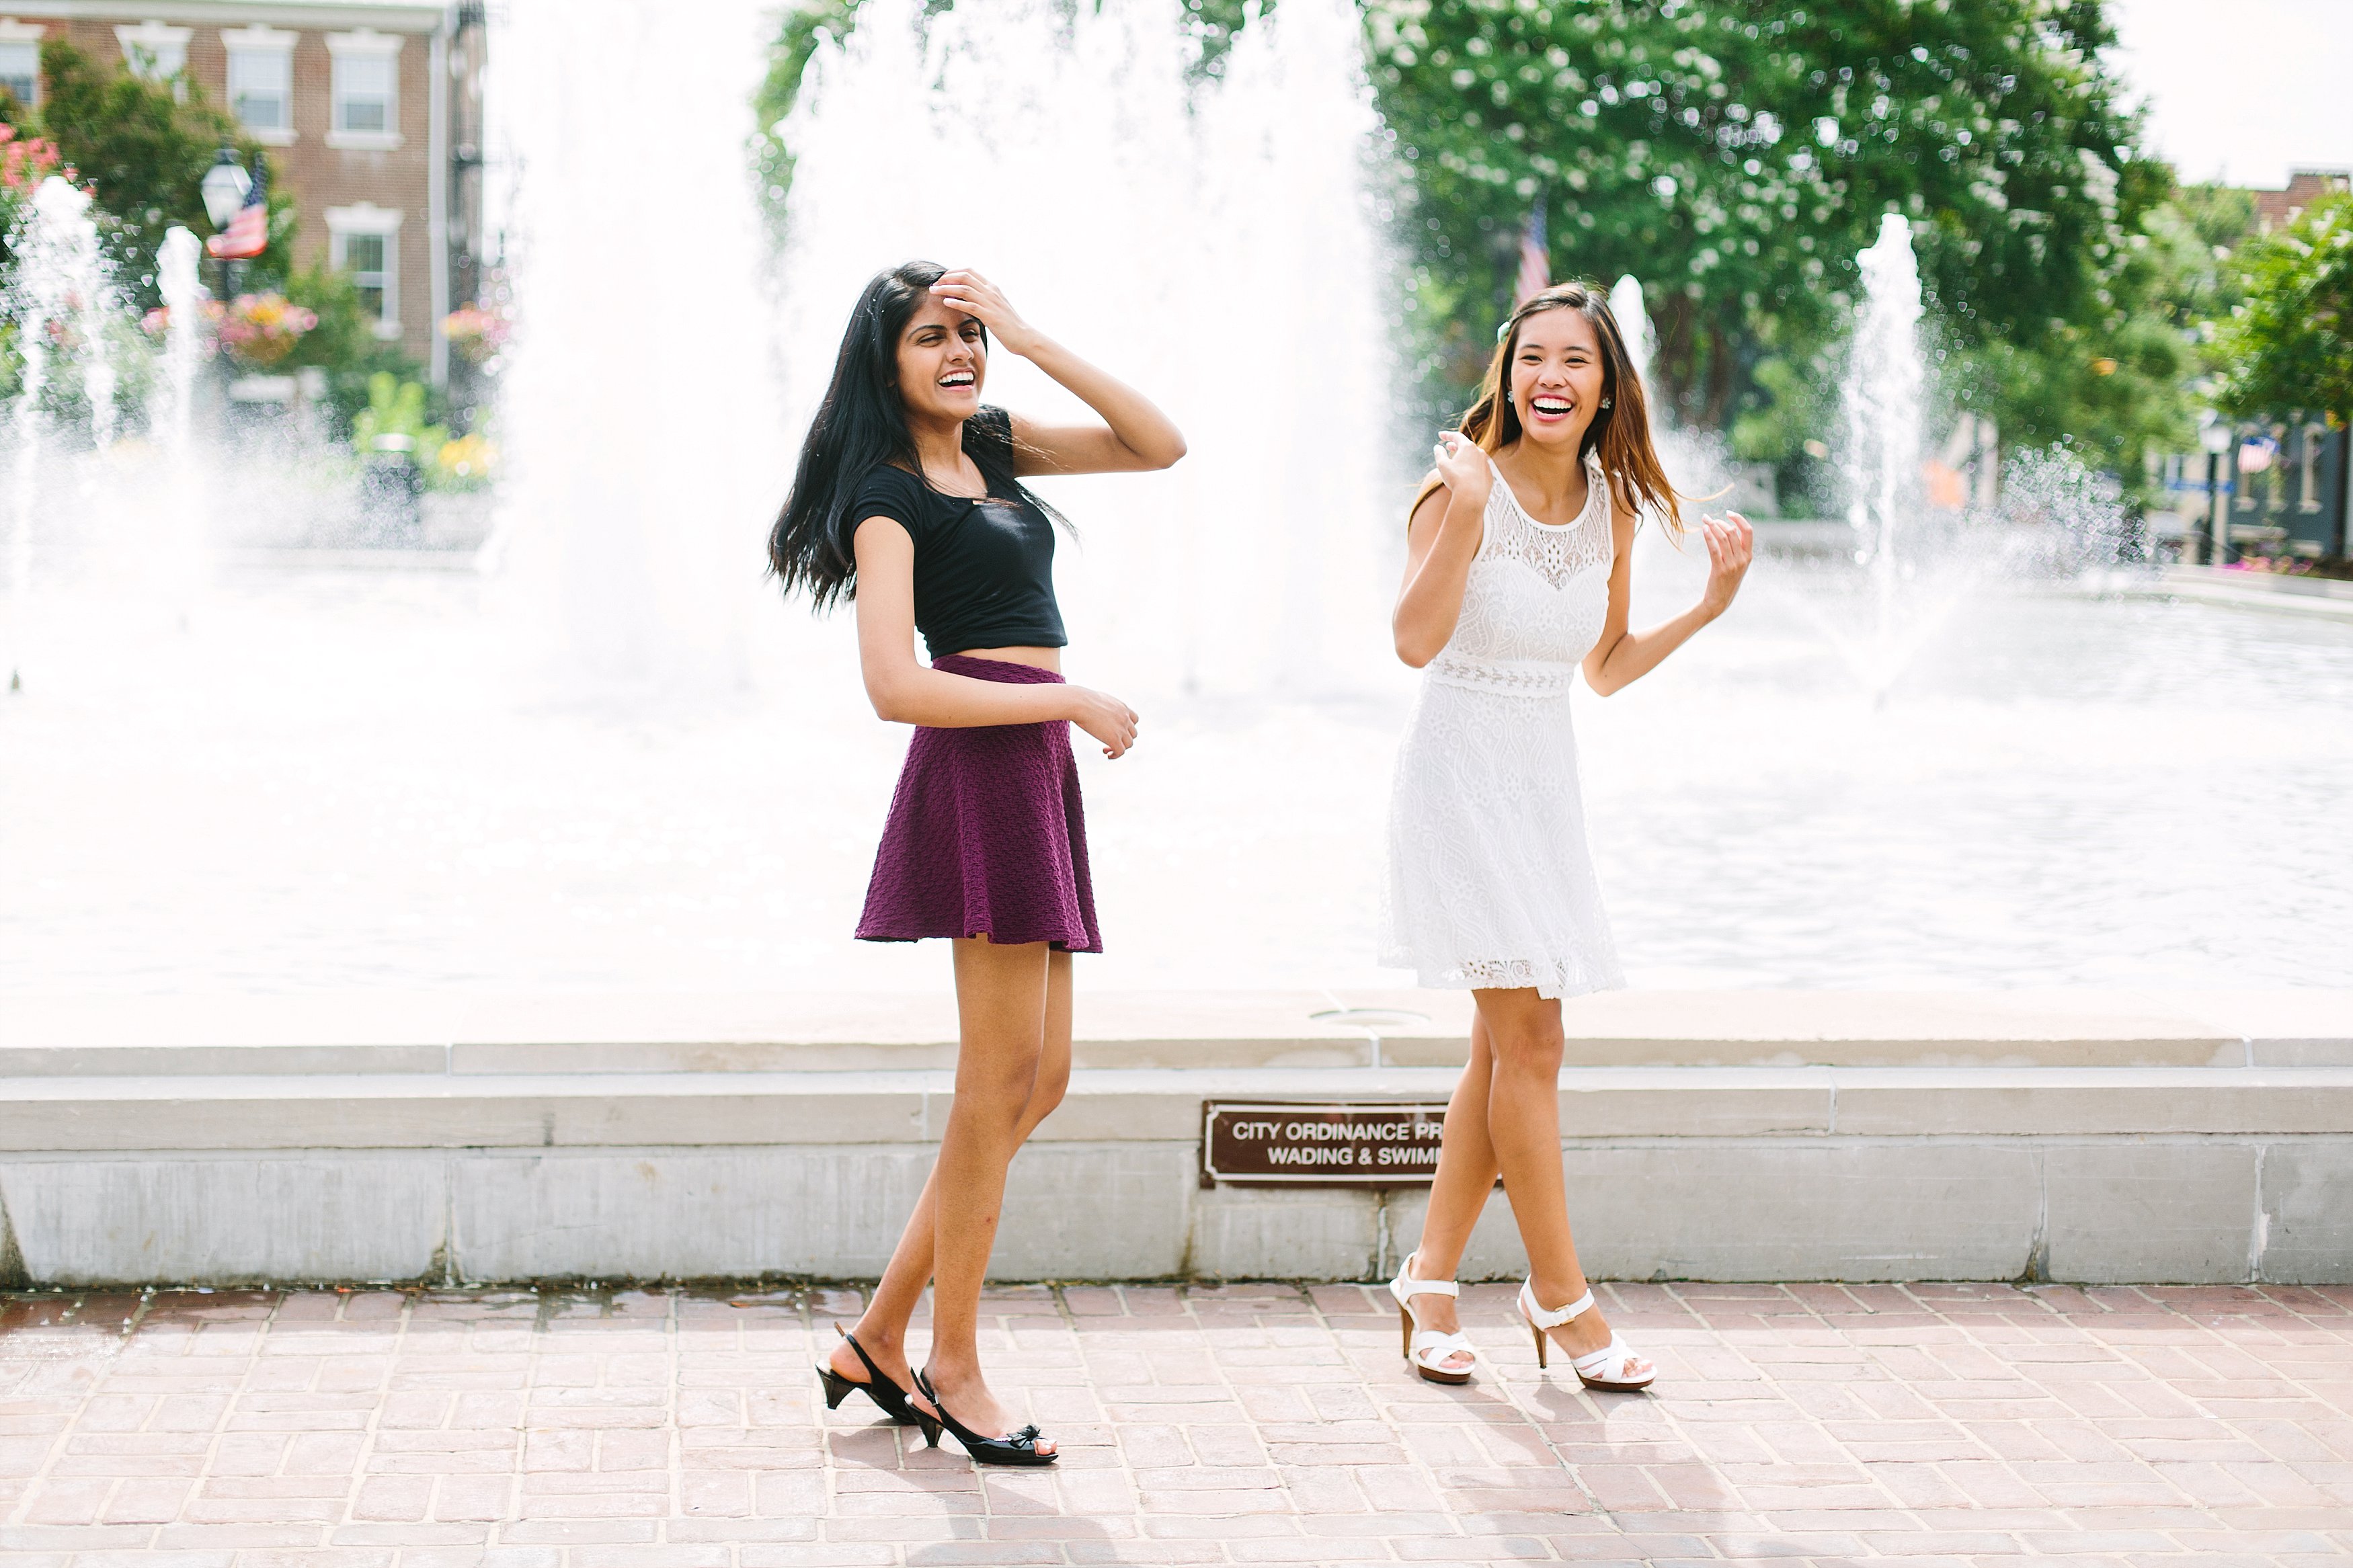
<point x="1518" y="567"/>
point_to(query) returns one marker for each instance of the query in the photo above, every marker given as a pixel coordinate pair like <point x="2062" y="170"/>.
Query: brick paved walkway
<point x="1253" y="1424"/>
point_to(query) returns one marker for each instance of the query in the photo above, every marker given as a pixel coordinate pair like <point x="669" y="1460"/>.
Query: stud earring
<point x="1605" y="403"/>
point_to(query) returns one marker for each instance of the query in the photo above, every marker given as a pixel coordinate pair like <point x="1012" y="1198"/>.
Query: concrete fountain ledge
<point x="2086" y="1136"/>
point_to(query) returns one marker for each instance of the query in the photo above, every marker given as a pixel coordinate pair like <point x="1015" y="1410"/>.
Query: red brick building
<point x="371" y="109"/>
<point x="2277" y="209"/>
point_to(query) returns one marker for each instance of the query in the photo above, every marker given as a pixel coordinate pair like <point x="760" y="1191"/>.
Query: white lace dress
<point x="1491" y="882"/>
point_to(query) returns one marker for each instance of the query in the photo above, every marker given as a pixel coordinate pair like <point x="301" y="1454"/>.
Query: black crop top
<point x="984" y="568"/>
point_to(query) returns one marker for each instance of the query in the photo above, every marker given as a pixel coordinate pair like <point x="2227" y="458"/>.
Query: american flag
<point x="1536" y="266"/>
<point x="247" y="234"/>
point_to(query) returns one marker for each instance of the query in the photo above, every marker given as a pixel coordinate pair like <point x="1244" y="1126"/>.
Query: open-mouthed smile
<point x="957" y="381"/>
<point x="1548" y="406"/>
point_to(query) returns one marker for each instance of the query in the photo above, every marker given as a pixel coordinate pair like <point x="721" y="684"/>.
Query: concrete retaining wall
<point x="2170" y="1209"/>
<point x="2133" y="1150"/>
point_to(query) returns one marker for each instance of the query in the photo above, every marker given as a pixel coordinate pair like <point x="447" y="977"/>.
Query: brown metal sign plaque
<point x="1274" y="1144"/>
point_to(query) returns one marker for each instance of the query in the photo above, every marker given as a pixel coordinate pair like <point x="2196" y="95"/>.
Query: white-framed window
<point x="364" y="241"/>
<point x="20" y="60"/>
<point x="366" y="115"/>
<point x="155" y="52"/>
<point x="261" y="81"/>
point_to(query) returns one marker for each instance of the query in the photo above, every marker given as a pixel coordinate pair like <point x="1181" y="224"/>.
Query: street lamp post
<point x="225" y="186"/>
<point x="2216" y="438"/>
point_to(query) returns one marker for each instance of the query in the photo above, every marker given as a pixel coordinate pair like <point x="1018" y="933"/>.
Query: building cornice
<point x="340" y="15"/>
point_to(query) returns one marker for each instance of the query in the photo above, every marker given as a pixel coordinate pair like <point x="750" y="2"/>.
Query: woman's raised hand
<point x="1731" y="545"/>
<point x="965" y="289"/>
<point x="1104" y="717"/>
<point x="1462" y="465"/>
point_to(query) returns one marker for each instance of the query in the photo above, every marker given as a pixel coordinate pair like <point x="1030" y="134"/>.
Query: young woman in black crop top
<point x="908" y="498"/>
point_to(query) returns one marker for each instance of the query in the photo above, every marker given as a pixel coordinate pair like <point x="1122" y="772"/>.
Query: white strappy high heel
<point x="1603" y="1370"/>
<point x="1428" y="1349"/>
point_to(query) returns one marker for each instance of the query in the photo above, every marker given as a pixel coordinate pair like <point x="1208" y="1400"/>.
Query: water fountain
<point x="1635" y="323"/>
<point x="1880" y="444"/>
<point x="639" y="425"/>
<point x="1211" y="240"/>
<point x="1903" y="570"/>
<point x="184" y="296"/>
<point x="172" y="416"/>
<point x="63" y="304"/>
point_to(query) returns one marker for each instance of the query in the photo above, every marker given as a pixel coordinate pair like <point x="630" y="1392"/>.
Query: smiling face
<point x="1556" y="377"/>
<point x="942" y="360"/>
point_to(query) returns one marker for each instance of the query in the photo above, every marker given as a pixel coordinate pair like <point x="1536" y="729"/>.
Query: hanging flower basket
<point x="476" y="335"/>
<point x="259" y="330"/>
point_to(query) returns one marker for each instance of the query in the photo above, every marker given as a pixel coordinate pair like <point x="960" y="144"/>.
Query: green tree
<point x="2289" y="344"/>
<point x="1736" y="155"/>
<point x="2120" y="383"/>
<point x="142" y="148"/>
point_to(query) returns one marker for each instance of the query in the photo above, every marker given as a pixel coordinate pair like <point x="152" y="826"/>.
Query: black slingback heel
<point x="1016" y="1448"/>
<point x="885" y="1393"/>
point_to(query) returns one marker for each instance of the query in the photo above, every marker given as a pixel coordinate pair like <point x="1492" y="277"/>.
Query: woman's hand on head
<point x="1731" y="545"/>
<point x="1462" y="465"/>
<point x="965" y="289"/>
<point x="1104" y="717"/>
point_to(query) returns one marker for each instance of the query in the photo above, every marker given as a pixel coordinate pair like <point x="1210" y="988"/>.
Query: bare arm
<point x="1622" y="656"/>
<point x="906" y="691"/>
<point x="1135" y="435"/>
<point x="1441" y="540"/>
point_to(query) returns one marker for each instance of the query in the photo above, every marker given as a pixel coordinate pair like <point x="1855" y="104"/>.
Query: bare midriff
<point x="1035" y="658"/>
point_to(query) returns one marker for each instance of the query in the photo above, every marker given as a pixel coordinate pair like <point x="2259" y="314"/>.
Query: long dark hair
<point x="859" y="427"/>
<point x="1622" y="429"/>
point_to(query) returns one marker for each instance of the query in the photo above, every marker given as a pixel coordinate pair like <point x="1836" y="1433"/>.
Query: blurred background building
<point x="370" y="111"/>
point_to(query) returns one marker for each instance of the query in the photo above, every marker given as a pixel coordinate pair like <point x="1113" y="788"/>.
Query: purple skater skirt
<point x="986" y="836"/>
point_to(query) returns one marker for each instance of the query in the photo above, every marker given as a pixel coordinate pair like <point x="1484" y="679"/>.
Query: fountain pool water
<point x="344" y="782"/>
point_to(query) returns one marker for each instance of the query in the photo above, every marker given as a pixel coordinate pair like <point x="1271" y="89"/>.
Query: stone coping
<point x="2261" y="582"/>
<point x="2246" y="590"/>
<point x="89" y="1115"/>
<point x="459" y="1035"/>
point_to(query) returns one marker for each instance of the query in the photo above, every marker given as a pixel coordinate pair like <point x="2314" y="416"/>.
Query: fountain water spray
<point x="184" y="297"/>
<point x="638" y="420"/>
<point x="61" y="290"/>
<point x="1209" y="239"/>
<point x="1634" y="325"/>
<point x="1917" y="566"/>
<point x="1881" y="416"/>
<point x="172" y="416"/>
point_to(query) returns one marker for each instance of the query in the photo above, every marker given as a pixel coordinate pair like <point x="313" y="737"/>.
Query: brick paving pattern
<point x="1947" y="1425"/>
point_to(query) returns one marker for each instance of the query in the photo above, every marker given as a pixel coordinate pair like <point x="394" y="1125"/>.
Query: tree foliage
<point x="1737" y="154"/>
<point x="2289" y="344"/>
<point x="142" y="147"/>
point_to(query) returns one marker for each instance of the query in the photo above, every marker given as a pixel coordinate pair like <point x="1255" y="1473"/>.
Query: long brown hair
<point x="1620" y="427"/>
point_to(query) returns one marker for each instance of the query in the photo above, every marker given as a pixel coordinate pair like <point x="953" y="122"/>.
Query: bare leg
<point x="883" y="1329"/>
<point x="1466" y="1175"/>
<point x="1012" y="1069"/>
<point x="1522" y="1125"/>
